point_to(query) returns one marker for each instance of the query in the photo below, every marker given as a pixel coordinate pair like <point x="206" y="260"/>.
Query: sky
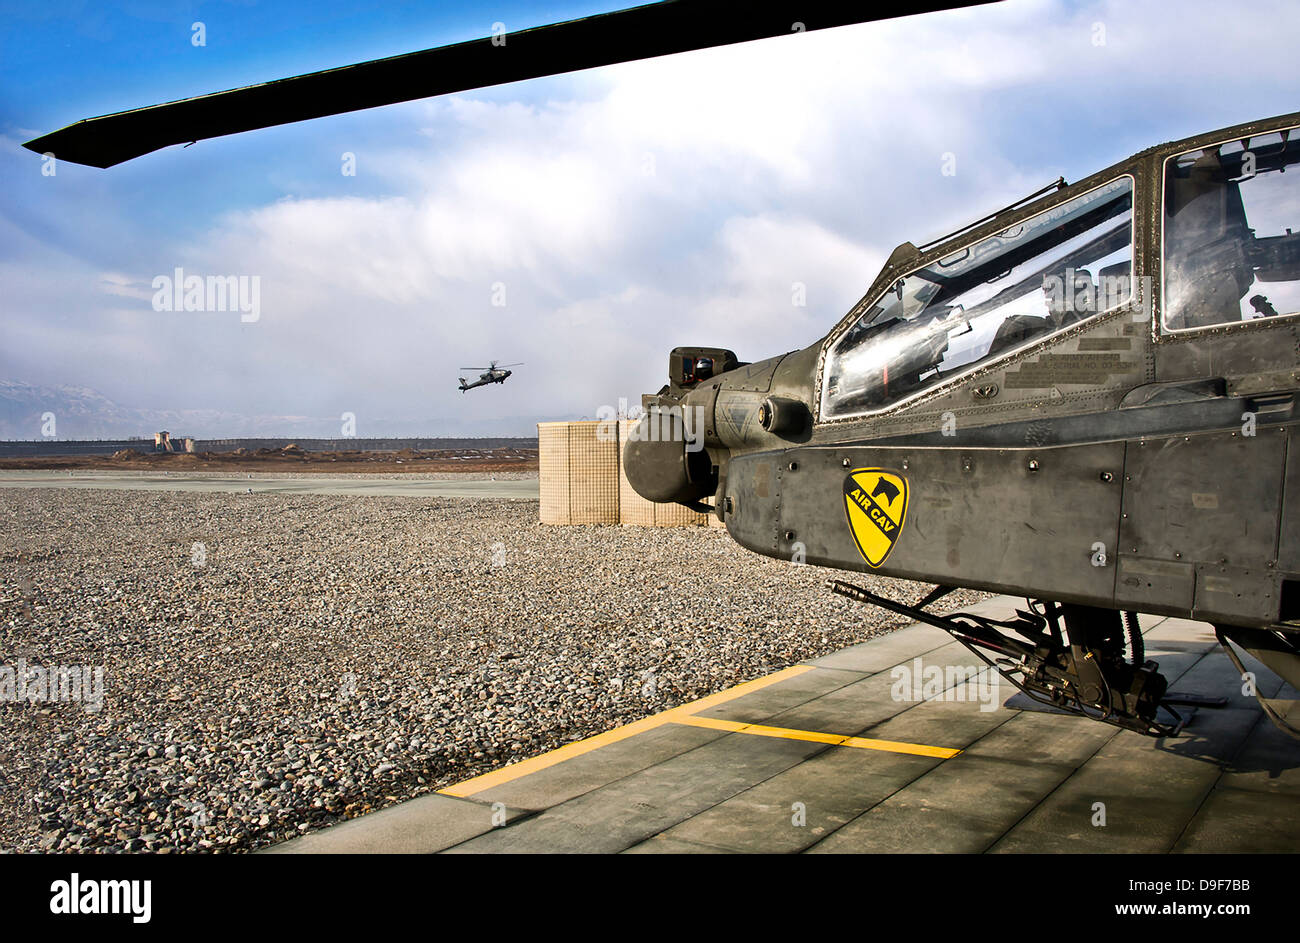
<point x="583" y="224"/>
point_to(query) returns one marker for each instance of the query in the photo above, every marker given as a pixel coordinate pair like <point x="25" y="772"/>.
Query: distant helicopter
<point x="490" y="374"/>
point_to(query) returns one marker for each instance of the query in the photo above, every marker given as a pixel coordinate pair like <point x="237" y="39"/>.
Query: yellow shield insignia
<point x="875" y="501"/>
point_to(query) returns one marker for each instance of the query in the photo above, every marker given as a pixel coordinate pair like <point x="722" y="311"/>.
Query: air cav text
<point x="872" y="510"/>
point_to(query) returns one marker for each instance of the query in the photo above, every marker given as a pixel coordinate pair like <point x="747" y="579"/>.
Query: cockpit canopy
<point x="1230" y="253"/>
<point x="1041" y="276"/>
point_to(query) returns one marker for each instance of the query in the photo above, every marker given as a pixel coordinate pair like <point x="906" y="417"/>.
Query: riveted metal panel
<point x="1207" y="498"/>
<point x="1288" y="553"/>
<point x="754" y="496"/>
<point x="1145" y="585"/>
<point x="1236" y="595"/>
<point x="1012" y="519"/>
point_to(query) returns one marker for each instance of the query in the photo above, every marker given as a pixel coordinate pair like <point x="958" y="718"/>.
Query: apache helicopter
<point x="1085" y="398"/>
<point x="490" y="374"/>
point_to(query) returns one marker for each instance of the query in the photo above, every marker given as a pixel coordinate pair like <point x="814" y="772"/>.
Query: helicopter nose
<point x="660" y="467"/>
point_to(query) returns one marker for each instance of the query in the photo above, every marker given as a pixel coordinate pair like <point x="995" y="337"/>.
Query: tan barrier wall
<point x="582" y="480"/>
<point x="578" y="473"/>
<point x="553" y="471"/>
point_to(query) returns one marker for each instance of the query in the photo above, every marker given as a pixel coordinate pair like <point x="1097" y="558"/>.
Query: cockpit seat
<point x="1016" y="330"/>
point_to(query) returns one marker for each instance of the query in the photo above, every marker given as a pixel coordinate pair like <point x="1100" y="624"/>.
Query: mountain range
<point x="82" y="413"/>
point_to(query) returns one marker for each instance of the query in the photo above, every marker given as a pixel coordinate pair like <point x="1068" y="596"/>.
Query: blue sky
<point x="61" y="62"/>
<point x="625" y="210"/>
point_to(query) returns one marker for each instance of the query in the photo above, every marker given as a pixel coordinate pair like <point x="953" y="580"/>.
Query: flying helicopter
<point x="1085" y="398"/>
<point x="490" y="374"/>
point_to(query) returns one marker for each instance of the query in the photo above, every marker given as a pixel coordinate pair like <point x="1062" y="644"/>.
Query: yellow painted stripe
<point x="714" y="723"/>
<point x="785" y="733"/>
<point x="567" y="752"/>
<point x="897" y="746"/>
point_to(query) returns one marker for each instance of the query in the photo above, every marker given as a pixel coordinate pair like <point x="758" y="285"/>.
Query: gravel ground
<point x="236" y="473"/>
<point x="321" y="657"/>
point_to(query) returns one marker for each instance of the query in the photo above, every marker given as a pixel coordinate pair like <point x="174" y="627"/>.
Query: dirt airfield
<point x="291" y="458"/>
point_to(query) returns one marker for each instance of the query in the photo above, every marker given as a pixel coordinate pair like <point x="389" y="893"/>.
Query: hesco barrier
<point x="578" y="473"/>
<point x="580" y="467"/>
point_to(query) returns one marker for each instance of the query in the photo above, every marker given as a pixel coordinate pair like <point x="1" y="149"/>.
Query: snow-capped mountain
<point x="82" y="413"/>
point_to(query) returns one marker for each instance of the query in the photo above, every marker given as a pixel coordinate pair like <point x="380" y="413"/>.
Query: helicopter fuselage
<point x="492" y="376"/>
<point x="977" y="427"/>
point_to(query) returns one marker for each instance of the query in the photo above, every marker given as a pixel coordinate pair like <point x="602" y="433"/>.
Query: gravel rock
<point x="323" y="657"/>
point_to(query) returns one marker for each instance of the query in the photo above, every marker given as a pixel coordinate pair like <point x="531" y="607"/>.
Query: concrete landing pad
<point x="894" y="745"/>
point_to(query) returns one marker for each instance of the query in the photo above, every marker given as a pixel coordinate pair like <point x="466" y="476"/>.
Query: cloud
<point x="124" y="286"/>
<point x="624" y="211"/>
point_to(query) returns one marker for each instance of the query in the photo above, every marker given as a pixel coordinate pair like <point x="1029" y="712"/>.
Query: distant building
<point x="162" y="442"/>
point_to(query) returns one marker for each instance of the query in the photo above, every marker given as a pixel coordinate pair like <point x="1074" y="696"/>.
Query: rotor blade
<point x="644" y="32"/>
<point x="520" y="364"/>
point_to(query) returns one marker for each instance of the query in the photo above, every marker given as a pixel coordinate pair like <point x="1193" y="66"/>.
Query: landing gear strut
<point x="1081" y="669"/>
